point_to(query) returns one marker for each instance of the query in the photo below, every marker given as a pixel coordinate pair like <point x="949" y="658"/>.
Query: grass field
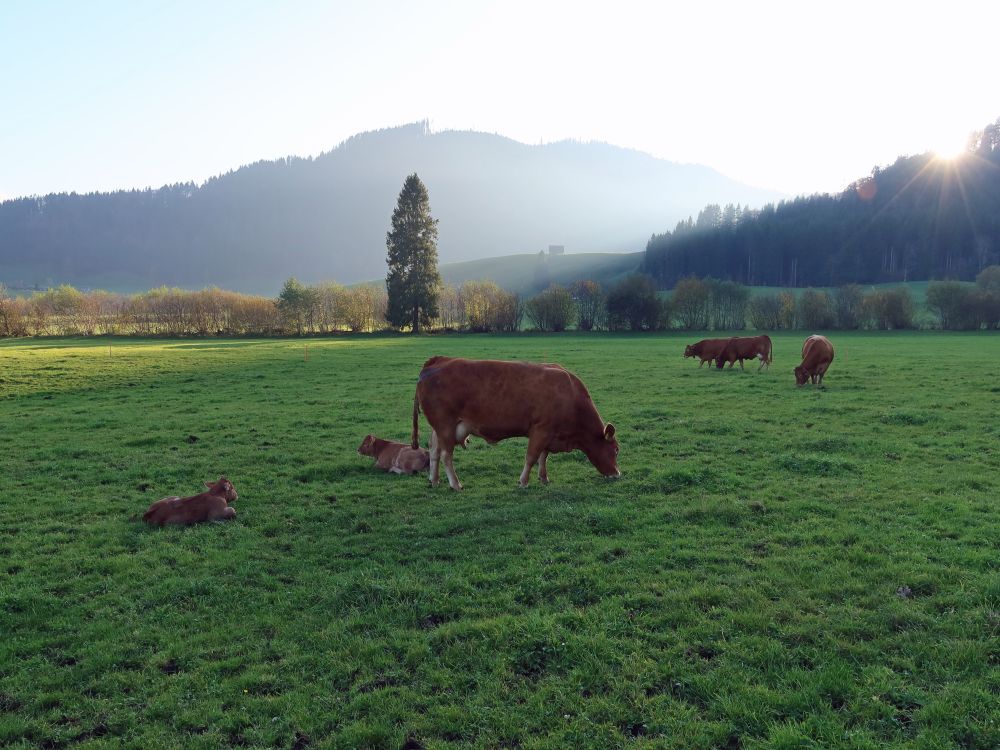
<point x="778" y="567"/>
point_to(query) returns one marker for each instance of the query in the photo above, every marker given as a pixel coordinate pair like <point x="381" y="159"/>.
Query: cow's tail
<point x="769" y="350"/>
<point x="415" y="437"/>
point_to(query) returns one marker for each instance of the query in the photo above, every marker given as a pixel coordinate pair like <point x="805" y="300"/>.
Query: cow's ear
<point x="609" y="432"/>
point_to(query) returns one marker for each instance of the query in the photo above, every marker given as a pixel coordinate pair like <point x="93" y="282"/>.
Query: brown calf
<point x="397" y="458"/>
<point x="208" y="506"/>
<point x="817" y="354"/>
<point x="706" y="349"/>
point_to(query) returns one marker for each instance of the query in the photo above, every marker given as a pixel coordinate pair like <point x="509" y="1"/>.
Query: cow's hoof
<point x="546" y="480"/>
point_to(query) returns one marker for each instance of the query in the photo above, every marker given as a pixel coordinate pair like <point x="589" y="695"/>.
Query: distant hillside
<point x="528" y="274"/>
<point x="326" y="218"/>
<point x="921" y="218"/>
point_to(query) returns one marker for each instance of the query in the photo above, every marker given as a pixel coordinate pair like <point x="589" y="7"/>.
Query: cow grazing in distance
<point x="208" y="506"/>
<point x="706" y="349"/>
<point x="397" y="458"/>
<point x="745" y="347"/>
<point x="817" y="354"/>
<point x="498" y="400"/>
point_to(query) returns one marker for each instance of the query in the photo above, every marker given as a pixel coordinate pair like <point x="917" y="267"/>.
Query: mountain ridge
<point x="325" y="217"/>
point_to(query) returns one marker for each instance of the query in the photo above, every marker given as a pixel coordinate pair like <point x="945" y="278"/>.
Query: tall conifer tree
<point x="413" y="278"/>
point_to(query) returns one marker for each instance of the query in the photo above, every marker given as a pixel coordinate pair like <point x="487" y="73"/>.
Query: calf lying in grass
<point x="208" y="506"/>
<point x="397" y="458"/>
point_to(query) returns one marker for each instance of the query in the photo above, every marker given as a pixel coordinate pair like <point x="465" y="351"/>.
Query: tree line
<point x="299" y="309"/>
<point x="721" y="305"/>
<point x="633" y="304"/>
<point x="921" y="218"/>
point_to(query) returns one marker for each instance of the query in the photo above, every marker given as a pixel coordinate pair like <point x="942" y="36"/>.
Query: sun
<point x="950" y="149"/>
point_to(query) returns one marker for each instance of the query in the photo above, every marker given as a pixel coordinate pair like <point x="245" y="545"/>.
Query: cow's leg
<point x="762" y="362"/>
<point x="741" y="364"/>
<point x="543" y="472"/>
<point x="449" y="468"/>
<point x="702" y="363"/>
<point x="530" y="459"/>
<point x="226" y="515"/>
<point x="434" y="473"/>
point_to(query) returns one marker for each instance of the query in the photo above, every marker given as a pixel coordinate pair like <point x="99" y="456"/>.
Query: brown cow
<point x="397" y="458"/>
<point x="498" y="400"/>
<point x="817" y="354"/>
<point x="745" y="347"/>
<point x="706" y="349"/>
<point x="208" y="506"/>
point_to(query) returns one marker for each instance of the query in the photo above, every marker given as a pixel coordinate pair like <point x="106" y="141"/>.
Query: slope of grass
<point x="528" y="274"/>
<point x="777" y="568"/>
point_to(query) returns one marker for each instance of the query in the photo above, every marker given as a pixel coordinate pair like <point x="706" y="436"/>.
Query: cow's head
<point x="602" y="451"/>
<point x="367" y="447"/>
<point x="689" y="351"/>
<point x="801" y="376"/>
<point x="223" y="488"/>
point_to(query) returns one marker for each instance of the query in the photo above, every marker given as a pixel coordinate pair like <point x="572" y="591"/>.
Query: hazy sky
<point x="798" y="96"/>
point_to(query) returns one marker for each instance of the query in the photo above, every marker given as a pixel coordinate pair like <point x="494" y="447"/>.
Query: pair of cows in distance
<point x="817" y="354"/>
<point x="731" y="350"/>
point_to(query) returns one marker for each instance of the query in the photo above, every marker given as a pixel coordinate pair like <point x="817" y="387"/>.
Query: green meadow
<point x="779" y="567"/>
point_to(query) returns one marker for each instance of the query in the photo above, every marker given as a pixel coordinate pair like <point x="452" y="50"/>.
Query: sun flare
<point x="949" y="149"/>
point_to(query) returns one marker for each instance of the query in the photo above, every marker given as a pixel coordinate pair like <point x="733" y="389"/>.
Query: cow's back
<point x="498" y="399"/>
<point x="816" y="350"/>
<point x="387" y="453"/>
<point x="161" y="510"/>
<point x="185" y="510"/>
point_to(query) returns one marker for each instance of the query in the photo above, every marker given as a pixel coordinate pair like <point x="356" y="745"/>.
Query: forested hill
<point x="921" y="218"/>
<point x="326" y="217"/>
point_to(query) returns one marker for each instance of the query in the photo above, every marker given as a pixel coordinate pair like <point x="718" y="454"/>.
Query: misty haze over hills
<point x="326" y="217"/>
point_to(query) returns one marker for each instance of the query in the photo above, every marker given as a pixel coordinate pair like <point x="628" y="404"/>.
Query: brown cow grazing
<point x="208" y="506"/>
<point x="817" y="354"/>
<point x="706" y="349"/>
<point x="745" y="347"/>
<point x="498" y="400"/>
<point x="397" y="458"/>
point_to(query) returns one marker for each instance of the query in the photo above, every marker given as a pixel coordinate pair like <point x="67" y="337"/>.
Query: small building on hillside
<point x="557" y="249"/>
